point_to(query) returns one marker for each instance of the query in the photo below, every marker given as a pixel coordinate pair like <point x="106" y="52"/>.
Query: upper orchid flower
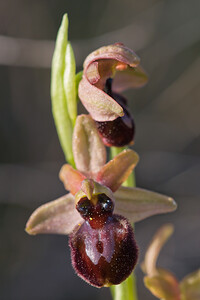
<point x="103" y="248"/>
<point x="113" y="61"/>
<point x="161" y="282"/>
<point x="108" y="71"/>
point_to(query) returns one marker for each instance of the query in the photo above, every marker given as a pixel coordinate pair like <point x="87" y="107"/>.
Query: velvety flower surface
<point x="162" y="283"/>
<point x="96" y="211"/>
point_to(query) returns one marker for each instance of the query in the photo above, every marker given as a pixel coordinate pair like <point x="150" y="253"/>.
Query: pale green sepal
<point x="137" y="204"/>
<point x="59" y="105"/>
<point x="70" y="83"/>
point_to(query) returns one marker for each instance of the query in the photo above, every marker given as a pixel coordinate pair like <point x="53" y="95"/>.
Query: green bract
<point x="63" y="90"/>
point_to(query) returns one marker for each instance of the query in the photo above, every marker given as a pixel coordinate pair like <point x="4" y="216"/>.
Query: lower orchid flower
<point x="98" y="211"/>
<point x="162" y="283"/>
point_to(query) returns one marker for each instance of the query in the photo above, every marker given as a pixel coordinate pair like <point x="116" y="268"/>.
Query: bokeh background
<point x="166" y="35"/>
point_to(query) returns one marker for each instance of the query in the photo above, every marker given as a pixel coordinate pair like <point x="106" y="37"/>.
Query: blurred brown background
<point x="166" y="35"/>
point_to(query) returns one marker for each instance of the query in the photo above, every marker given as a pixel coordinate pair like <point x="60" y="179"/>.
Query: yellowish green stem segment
<point x="127" y="289"/>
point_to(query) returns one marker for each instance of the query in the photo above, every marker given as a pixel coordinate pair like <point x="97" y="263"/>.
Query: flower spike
<point x="94" y="212"/>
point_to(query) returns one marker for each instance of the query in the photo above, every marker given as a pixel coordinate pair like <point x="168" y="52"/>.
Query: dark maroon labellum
<point x="96" y="214"/>
<point x="103" y="248"/>
<point x="119" y="132"/>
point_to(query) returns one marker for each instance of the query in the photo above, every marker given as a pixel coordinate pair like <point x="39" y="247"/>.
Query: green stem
<point x="127" y="289"/>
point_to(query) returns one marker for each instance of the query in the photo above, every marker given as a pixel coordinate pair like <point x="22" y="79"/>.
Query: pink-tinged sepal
<point x="117" y="170"/>
<point x="58" y="217"/>
<point x="101" y="106"/>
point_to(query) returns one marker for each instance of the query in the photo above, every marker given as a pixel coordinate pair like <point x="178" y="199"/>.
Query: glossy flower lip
<point x="95" y="176"/>
<point x="161" y="282"/>
<point x="114" y="61"/>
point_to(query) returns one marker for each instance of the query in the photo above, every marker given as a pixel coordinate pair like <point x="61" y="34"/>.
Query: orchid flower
<point x="161" y="282"/>
<point x="103" y="248"/>
<point x="114" y="61"/>
<point x="106" y="72"/>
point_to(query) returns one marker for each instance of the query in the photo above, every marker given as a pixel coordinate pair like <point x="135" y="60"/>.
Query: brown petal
<point x="129" y="78"/>
<point x="163" y="285"/>
<point x="116" y="171"/>
<point x="88" y="148"/>
<point x="190" y="286"/>
<point x="101" y="106"/>
<point x="137" y="204"/>
<point x="71" y="178"/>
<point x="58" y="216"/>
